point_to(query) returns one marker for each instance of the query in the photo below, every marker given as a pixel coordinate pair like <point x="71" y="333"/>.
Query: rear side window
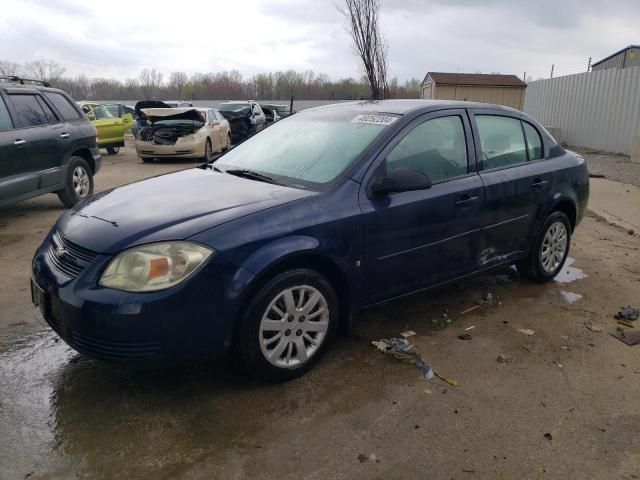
<point x="436" y="148"/>
<point x="501" y="141"/>
<point x="63" y="105"/>
<point x="51" y="117"/>
<point x="5" y="119"/>
<point x="534" y="142"/>
<point x="29" y="111"/>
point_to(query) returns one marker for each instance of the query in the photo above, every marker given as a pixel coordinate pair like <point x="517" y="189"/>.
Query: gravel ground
<point x="618" y="168"/>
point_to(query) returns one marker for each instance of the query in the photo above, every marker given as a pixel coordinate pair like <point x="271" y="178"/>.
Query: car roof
<point x="402" y="107"/>
<point x="28" y="86"/>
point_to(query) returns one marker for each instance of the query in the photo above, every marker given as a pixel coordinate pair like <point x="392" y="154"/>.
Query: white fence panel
<point x="599" y="110"/>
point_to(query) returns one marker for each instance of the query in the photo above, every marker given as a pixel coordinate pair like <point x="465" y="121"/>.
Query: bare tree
<point x="45" y="70"/>
<point x="177" y="81"/>
<point x="9" y="68"/>
<point x="363" y="26"/>
<point x="150" y="83"/>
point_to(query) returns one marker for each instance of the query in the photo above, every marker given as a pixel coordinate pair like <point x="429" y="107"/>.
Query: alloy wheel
<point x="554" y="247"/>
<point x="81" y="181"/>
<point x="293" y="326"/>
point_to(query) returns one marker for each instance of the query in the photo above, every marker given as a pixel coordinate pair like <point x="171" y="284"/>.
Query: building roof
<point x="481" y="79"/>
<point x="628" y="47"/>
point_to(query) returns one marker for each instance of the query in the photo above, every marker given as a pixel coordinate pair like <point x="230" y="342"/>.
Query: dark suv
<point x="46" y="144"/>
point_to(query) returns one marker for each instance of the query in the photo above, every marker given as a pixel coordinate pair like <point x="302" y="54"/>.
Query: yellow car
<point x="111" y="128"/>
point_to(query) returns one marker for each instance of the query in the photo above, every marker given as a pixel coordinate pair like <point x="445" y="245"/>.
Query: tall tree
<point x="362" y="18"/>
<point x="177" y="81"/>
<point x="45" y="70"/>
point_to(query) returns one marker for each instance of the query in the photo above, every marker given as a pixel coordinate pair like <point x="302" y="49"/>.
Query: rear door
<point x="39" y="146"/>
<point x="515" y="184"/>
<point x="13" y="181"/>
<point x="421" y="238"/>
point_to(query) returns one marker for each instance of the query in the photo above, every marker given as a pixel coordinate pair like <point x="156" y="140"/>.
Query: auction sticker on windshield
<point x="375" y="119"/>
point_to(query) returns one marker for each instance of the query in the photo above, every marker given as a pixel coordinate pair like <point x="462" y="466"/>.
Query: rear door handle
<point x="64" y="135"/>
<point x="466" y="201"/>
<point x="19" y="142"/>
<point x="538" y="184"/>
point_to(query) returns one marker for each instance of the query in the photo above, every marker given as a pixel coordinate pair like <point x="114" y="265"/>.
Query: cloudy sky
<point x="118" y="38"/>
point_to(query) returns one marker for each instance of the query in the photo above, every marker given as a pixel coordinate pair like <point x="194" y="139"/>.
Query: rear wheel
<point x="208" y="151"/>
<point x="78" y="184"/>
<point x="549" y="250"/>
<point x="113" y="150"/>
<point x="287" y="325"/>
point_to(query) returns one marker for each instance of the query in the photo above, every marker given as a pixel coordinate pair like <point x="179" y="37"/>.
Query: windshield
<point x="308" y="149"/>
<point x="233" y="107"/>
<point x="101" y="112"/>
<point x="172" y="123"/>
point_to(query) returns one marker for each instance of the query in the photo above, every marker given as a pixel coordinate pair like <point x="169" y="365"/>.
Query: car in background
<point x="270" y="113"/>
<point x="178" y="103"/>
<point x="281" y="110"/>
<point x="267" y="250"/>
<point x="119" y="110"/>
<point x="46" y="144"/>
<point x="182" y="132"/>
<point x="111" y="129"/>
<point x="246" y="118"/>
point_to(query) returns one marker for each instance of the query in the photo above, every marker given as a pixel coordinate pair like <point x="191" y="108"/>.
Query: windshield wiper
<point x="250" y="174"/>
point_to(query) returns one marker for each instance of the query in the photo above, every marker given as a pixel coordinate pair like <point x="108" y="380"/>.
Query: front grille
<point x="114" y="350"/>
<point x="67" y="257"/>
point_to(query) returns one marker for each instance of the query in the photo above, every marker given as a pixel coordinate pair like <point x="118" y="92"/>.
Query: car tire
<point x="274" y="339"/>
<point x="228" y="143"/>
<point x="113" y="150"/>
<point x="78" y="184"/>
<point x="549" y="250"/>
<point x="208" y="151"/>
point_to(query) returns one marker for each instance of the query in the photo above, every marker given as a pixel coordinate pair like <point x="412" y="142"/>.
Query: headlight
<point x="154" y="267"/>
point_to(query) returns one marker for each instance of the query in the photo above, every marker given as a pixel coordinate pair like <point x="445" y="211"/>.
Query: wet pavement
<point x="564" y="405"/>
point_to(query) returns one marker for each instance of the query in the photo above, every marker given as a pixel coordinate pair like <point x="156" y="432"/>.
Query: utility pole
<point x="589" y="65"/>
<point x="552" y="67"/>
<point x="524" y="77"/>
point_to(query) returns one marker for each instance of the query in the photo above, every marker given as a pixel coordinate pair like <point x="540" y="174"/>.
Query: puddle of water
<point x="570" y="297"/>
<point x="568" y="273"/>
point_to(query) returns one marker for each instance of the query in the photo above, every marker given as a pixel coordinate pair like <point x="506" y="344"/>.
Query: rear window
<point x="29" y="111"/>
<point x="5" y="119"/>
<point x="63" y="105"/>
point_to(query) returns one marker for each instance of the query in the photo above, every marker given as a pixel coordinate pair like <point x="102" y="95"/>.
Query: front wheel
<point x="228" y="143"/>
<point x="78" y="184"/>
<point x="549" y="250"/>
<point x="208" y="151"/>
<point x="287" y="325"/>
<point x="113" y="150"/>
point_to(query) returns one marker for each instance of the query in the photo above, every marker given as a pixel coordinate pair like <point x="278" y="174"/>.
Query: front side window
<point x="436" y="148"/>
<point x="63" y="105"/>
<point x="501" y="141"/>
<point x="101" y="112"/>
<point x="5" y="119"/>
<point x="534" y="142"/>
<point x="309" y="149"/>
<point x="28" y="110"/>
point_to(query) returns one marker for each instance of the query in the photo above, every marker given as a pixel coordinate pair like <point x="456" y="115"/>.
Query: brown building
<point x="505" y="90"/>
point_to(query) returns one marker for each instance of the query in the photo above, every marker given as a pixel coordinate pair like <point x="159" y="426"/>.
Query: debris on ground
<point x="593" y="327"/>
<point x="362" y="457"/>
<point x="470" y="309"/>
<point x="469" y="328"/>
<point x="564" y="337"/>
<point x="628" y="313"/>
<point x="548" y="436"/>
<point x="407" y="334"/>
<point x="527" y="331"/>
<point x="629" y="337"/>
<point x="402" y="349"/>
<point x="468" y="470"/>
<point x="626" y="323"/>
<point x="504" y="358"/>
<point x="597" y="175"/>
<point x="428" y="391"/>
<point x="464" y="336"/>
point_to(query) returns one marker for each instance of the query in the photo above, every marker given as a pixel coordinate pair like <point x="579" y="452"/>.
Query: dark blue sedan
<point x="282" y="239"/>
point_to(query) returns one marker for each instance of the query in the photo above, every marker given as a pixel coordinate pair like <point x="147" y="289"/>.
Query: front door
<point x="515" y="184"/>
<point x="417" y="239"/>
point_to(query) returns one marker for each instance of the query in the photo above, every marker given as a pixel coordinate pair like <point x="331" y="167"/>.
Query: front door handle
<point x="19" y="142"/>
<point x="538" y="184"/>
<point x="465" y="201"/>
<point x="64" y="135"/>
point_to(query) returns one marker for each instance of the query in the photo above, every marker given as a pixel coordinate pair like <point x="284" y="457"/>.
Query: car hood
<point x="170" y="207"/>
<point x="158" y="114"/>
<point x="150" y="104"/>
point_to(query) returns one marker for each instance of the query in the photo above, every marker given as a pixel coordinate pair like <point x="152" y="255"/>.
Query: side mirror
<point x="400" y="180"/>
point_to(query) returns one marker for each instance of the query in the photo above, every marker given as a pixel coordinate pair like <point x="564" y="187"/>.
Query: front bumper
<point x="182" y="150"/>
<point x="192" y="320"/>
<point x="97" y="159"/>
